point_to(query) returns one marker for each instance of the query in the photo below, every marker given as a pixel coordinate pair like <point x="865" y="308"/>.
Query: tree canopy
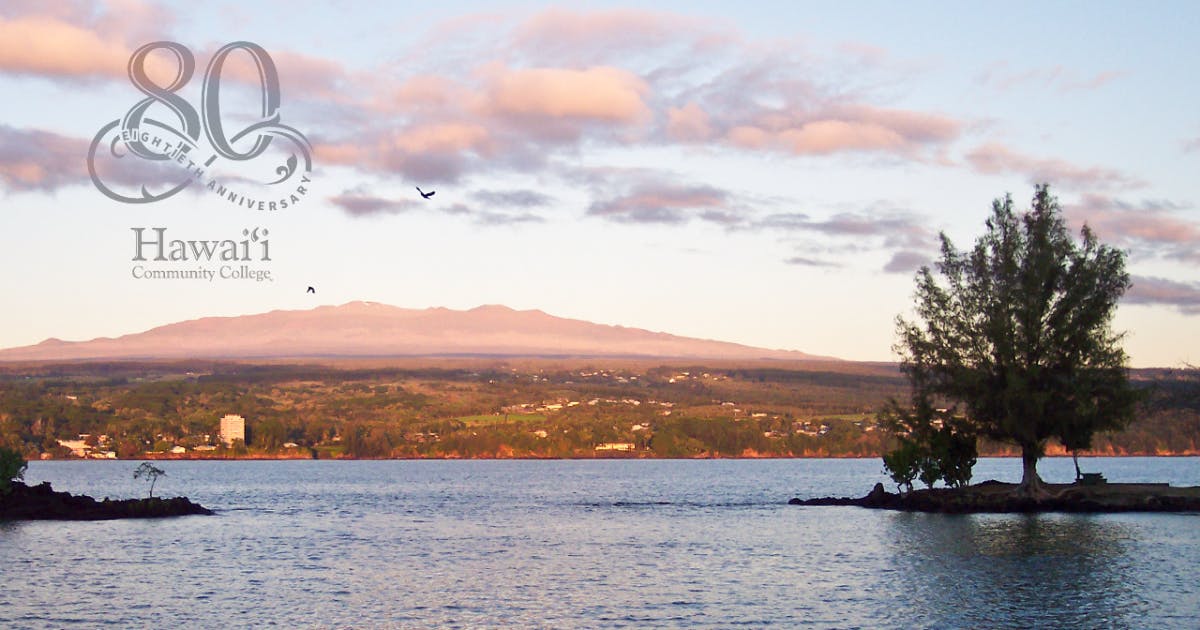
<point x="12" y="468"/>
<point x="1018" y="330"/>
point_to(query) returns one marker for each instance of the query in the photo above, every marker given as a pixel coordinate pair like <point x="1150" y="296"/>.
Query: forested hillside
<point x="497" y="408"/>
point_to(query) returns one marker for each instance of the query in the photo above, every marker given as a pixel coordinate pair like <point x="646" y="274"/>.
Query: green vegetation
<point x="12" y="468"/>
<point x="453" y="408"/>
<point x="933" y="445"/>
<point x="1018" y="332"/>
<point x="483" y="420"/>
<point x="151" y="472"/>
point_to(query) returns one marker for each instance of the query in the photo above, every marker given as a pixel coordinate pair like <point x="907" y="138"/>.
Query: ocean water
<point x="588" y="544"/>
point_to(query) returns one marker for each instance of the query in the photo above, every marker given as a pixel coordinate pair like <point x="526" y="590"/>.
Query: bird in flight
<point x="311" y="290"/>
<point x="426" y="195"/>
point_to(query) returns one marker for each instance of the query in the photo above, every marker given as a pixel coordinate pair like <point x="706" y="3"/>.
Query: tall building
<point x="233" y="427"/>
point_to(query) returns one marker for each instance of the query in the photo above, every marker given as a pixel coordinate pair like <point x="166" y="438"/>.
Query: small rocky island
<point x="998" y="497"/>
<point x="41" y="502"/>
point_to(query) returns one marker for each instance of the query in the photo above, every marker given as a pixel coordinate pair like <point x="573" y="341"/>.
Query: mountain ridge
<point x="373" y="329"/>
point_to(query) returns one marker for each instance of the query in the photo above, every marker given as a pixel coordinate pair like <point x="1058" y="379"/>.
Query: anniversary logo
<point x="138" y="159"/>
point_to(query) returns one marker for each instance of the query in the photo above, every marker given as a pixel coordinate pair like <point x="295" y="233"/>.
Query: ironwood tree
<point x="1018" y="330"/>
<point x="151" y="472"/>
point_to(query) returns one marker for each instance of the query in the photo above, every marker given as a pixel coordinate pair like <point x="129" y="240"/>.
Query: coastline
<point x="306" y="456"/>
<point x="42" y="503"/>
<point x="995" y="497"/>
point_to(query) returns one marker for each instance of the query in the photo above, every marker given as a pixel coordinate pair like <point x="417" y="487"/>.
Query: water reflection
<point x="1015" y="570"/>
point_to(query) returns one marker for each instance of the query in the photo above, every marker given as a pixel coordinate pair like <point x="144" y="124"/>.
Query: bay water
<point x="588" y="544"/>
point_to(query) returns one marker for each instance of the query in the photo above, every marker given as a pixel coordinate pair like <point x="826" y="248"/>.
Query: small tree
<point x="151" y="472"/>
<point x="903" y="464"/>
<point x="956" y="452"/>
<point x="934" y="444"/>
<point x="12" y="468"/>
<point x="929" y="468"/>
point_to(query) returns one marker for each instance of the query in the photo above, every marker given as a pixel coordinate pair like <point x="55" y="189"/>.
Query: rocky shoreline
<point x="41" y="502"/>
<point x="997" y="497"/>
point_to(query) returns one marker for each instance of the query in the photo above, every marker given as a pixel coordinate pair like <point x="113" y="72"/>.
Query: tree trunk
<point x="1031" y="484"/>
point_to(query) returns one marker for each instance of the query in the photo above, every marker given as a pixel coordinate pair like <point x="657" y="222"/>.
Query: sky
<point x="763" y="173"/>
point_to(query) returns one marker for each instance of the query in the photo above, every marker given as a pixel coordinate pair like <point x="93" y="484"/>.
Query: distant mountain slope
<point x="361" y="329"/>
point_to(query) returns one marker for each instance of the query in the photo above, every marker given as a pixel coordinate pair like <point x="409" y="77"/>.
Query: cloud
<point x="579" y="38"/>
<point x="358" y="204"/>
<point x="811" y="262"/>
<point x="689" y="123"/>
<point x="441" y="138"/>
<point x="437" y="152"/>
<point x="49" y="47"/>
<point x="907" y="237"/>
<point x="501" y="218"/>
<point x="533" y="93"/>
<point x="1192" y="146"/>
<point x="1149" y="290"/>
<point x="80" y="40"/>
<point x="997" y="159"/>
<point x="1057" y="78"/>
<point x="302" y="77"/>
<point x="854" y="128"/>
<point x="906" y="261"/>
<point x="601" y="93"/>
<point x="661" y="202"/>
<point x="512" y="198"/>
<point x="1149" y="227"/>
<point x="893" y="228"/>
<point x="527" y="92"/>
<point x="40" y="160"/>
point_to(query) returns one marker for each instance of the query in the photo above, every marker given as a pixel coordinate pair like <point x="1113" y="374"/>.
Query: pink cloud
<point x="441" y="138"/>
<point x="662" y="202"/>
<point x="534" y="90"/>
<point x="78" y="40"/>
<point x="346" y="153"/>
<point x="749" y="137"/>
<point x="50" y="47"/>
<point x="40" y="160"/>
<point x="1149" y="228"/>
<point x="689" y="123"/>
<point x="433" y="152"/>
<point x="599" y="93"/>
<point x="33" y="159"/>
<point x="300" y="76"/>
<point x="1123" y="222"/>
<point x="1058" y="78"/>
<point x="995" y="159"/>
<point x="358" y="204"/>
<point x="906" y="261"/>
<point x="1184" y="296"/>
<point x="561" y="78"/>
<point x="426" y="91"/>
<point x="807" y="121"/>
<point x="830" y="136"/>
<point x="856" y="128"/>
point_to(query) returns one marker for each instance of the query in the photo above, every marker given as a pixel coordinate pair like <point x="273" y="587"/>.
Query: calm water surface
<point x="619" y="543"/>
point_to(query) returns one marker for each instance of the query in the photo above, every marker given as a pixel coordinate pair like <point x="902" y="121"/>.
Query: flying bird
<point x="311" y="290"/>
<point x="426" y="195"/>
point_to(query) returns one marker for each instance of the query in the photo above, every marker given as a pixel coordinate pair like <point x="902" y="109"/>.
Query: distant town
<point x="492" y="409"/>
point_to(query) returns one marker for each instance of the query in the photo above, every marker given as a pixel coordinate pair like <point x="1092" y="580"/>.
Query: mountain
<point x="368" y="329"/>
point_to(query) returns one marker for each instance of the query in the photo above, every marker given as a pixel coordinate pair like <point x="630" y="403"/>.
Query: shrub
<point x="12" y="467"/>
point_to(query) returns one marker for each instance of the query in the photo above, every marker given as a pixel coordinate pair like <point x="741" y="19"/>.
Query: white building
<point x="233" y="427"/>
<point x="623" y="447"/>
